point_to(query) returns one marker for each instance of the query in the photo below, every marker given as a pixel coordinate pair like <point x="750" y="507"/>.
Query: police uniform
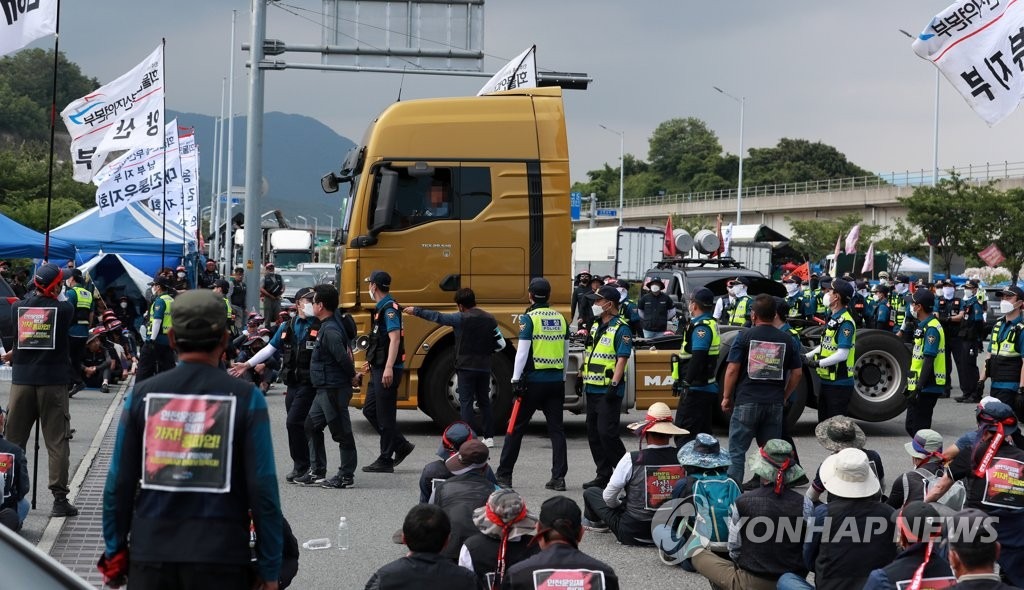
<point x="946" y="309"/>
<point x="694" y="380"/>
<point x="1004" y="363"/>
<point x="796" y="300"/>
<point x="628" y="310"/>
<point x="82" y="300"/>
<point x="971" y="329"/>
<point x="296" y="338"/>
<point x="836" y="380"/>
<point x="156" y="355"/>
<point x="902" y="317"/>
<point x="927" y="377"/>
<point x="881" y="313"/>
<point x="331" y="372"/>
<point x="739" y="309"/>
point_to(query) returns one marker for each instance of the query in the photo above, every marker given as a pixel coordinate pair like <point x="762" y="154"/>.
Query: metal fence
<point x="974" y="172"/>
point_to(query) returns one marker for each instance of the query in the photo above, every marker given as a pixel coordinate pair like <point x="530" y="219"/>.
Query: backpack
<point x="713" y="498"/>
<point x="954" y="498"/>
<point x="347" y="323"/>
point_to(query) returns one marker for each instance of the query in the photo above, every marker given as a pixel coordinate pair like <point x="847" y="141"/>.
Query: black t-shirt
<point x="41" y="346"/>
<point x="764" y="354"/>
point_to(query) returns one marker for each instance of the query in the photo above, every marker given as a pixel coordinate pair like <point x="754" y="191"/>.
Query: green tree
<point x="959" y="214"/>
<point x="797" y="160"/>
<point x="20" y="116"/>
<point x="29" y="73"/>
<point x="1010" y="238"/>
<point x="24" y="172"/>
<point x="901" y="240"/>
<point x="682" y="149"/>
<point x="816" y="238"/>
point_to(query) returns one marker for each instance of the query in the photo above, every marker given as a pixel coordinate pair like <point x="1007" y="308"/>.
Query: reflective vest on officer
<point x="1005" y="362"/>
<point x="898" y="307"/>
<point x="819" y="302"/>
<point x="686" y="352"/>
<point x="83" y="305"/>
<point x="917" y="357"/>
<point x="547" y="344"/>
<point x="740" y="311"/>
<point x="796" y="305"/>
<point x="829" y="346"/>
<point x="600" y="354"/>
<point x="165" y="323"/>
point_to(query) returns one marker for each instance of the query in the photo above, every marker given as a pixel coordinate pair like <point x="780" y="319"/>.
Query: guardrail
<point x="974" y="172"/>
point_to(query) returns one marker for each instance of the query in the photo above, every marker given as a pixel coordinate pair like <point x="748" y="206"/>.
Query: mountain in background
<point x="297" y="151"/>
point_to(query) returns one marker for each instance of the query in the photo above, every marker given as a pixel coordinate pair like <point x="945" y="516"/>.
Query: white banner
<point x="521" y="72"/>
<point x="123" y="115"/>
<point x="978" y="45"/>
<point x="727" y="239"/>
<point x="25" y="21"/>
<point x="139" y="176"/>
<point x="869" y="261"/>
<point x="190" y="182"/>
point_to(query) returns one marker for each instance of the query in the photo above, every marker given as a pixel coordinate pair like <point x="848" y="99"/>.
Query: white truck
<point x="622" y="252"/>
<point x="291" y="247"/>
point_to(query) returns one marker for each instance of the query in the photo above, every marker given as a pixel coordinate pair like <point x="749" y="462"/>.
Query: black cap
<point x="861" y="284"/>
<point x="605" y="292"/>
<point x="703" y="296"/>
<point x="163" y="281"/>
<point x="1015" y="291"/>
<point x="973" y="283"/>
<point x="924" y="297"/>
<point x="47" y="278"/>
<point x="560" y="508"/>
<point x="379" y="278"/>
<point x="902" y="279"/>
<point x="304" y="292"/>
<point x="740" y="280"/>
<point x="622" y="284"/>
<point x="222" y="285"/>
<point x="781" y="306"/>
<point x="198" y="316"/>
<point x="842" y="287"/>
<point x="656" y="280"/>
<point x="918" y="521"/>
<point x="540" y="288"/>
<point x="791" y="279"/>
<point x="883" y="289"/>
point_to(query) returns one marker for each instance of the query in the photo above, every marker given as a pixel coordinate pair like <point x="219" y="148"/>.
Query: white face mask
<point x="826" y="299"/>
<point x="597" y="310"/>
<point x="291" y="314"/>
<point x="948" y="292"/>
<point x="863" y="292"/>
<point x="622" y="293"/>
<point x="307" y="309"/>
<point x="370" y="292"/>
<point x="124" y="305"/>
<point x="181" y="275"/>
<point x="655" y="289"/>
<point x="970" y="293"/>
<point x="1005" y="307"/>
<point x="879" y="297"/>
<point x="883" y="282"/>
<point x="792" y="288"/>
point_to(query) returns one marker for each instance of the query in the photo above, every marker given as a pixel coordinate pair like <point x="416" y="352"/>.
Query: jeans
<point x="550" y="399"/>
<point x="475" y="386"/>
<point x="298" y="399"/>
<point x="603" y="415"/>
<point x="380" y="409"/>
<point x="761" y="421"/>
<point x="834" y="400"/>
<point x="794" y="582"/>
<point x="330" y="410"/>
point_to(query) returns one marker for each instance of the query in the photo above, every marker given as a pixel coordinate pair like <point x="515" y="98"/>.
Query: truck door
<point x="494" y="228"/>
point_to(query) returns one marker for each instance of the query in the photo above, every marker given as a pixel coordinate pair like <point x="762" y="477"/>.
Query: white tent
<point x="113" y="271"/>
<point x="913" y="266"/>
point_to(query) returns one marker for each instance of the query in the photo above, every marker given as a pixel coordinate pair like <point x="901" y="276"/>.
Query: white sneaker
<point x="489" y="443"/>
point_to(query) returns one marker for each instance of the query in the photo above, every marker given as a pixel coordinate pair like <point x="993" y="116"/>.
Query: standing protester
<point x="579" y="293"/>
<point x="271" y="291"/>
<point x="695" y="366"/>
<point x="385" y="361"/>
<point x="181" y="279"/>
<point x="477" y="338"/>
<point x="782" y="310"/>
<point x="656" y="309"/>
<point x="156" y="355"/>
<point x="237" y="296"/>
<point x="948" y="307"/>
<point x="795" y="298"/>
<point x="81" y="299"/>
<point x="125" y="311"/>
<point x="41" y="371"/>
<point x="609" y="346"/>
<point x="187" y="526"/>
<point x="209" y="276"/>
<point x="1005" y="348"/>
<point x="16" y="484"/>
<point x="834" y="358"/>
<point x="972" y="325"/>
<point x="757" y="366"/>
<point x="926" y="380"/>
<point x="538" y="379"/>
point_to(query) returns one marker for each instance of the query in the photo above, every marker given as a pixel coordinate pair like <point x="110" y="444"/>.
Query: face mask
<point x="879" y="297"/>
<point x="902" y="288"/>
<point x="1006" y="307"/>
<point x="863" y="292"/>
<point x="181" y="275"/>
<point x="622" y="292"/>
<point x="970" y="293"/>
<point x="373" y="295"/>
<point x="948" y="292"/>
<point x="597" y="310"/>
<point x="291" y="314"/>
<point x="792" y="288"/>
<point x="124" y="305"/>
<point x="655" y="289"/>
<point x="307" y="310"/>
<point x="826" y="299"/>
<point x="883" y="282"/>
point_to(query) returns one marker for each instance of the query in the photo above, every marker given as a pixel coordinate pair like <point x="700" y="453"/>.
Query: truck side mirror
<point x="386" y="195"/>
<point x="329" y="182"/>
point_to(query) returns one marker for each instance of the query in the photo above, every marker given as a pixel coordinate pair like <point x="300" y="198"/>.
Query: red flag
<point x="803" y="271"/>
<point x="669" y="247"/>
<point x="992" y="255"/>
<point x="721" y="241"/>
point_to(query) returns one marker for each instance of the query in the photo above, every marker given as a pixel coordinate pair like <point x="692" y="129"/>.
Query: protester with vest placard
<point x="919" y="564"/>
<point x="538" y="380"/>
<point x="834" y="358"/>
<point x="157" y="355"/>
<point x="694" y="368"/>
<point x="505" y="538"/>
<point x="926" y="379"/>
<point x="477" y="338"/>
<point x="1004" y="364"/>
<point x="82" y="300"/>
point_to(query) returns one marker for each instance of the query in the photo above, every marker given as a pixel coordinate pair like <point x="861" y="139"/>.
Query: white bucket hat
<point x="848" y="474"/>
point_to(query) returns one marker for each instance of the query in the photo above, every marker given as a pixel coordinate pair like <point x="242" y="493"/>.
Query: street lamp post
<point x="622" y="168"/>
<point x="316" y="226"/>
<point x="739" y="185"/>
<point x="330" y="238"/>
<point x="305" y="222"/>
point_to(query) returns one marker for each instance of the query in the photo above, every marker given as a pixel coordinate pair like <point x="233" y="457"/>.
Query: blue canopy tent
<point x="18" y="241"/>
<point x="133" y="232"/>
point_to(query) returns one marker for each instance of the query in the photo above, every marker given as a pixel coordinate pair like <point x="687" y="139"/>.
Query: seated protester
<point x="96" y="362"/>
<point x="925" y="452"/>
<point x="114" y="340"/>
<point x="559" y="532"/>
<point x="505" y="538"/>
<point x="451" y="439"/>
<point x="465" y="491"/>
<point x="985" y="471"/>
<point x="853" y="533"/>
<point x="630" y="517"/>
<point x="973" y="557"/>
<point x="838" y="433"/>
<point x="758" y="559"/>
<point x="919" y="563"/>
<point x="14" y="471"/>
<point x="425" y="532"/>
<point x="969" y="439"/>
<point x="701" y="458"/>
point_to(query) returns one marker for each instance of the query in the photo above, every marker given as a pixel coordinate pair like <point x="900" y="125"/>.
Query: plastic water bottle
<point x="315" y="544"/>
<point x="342" y="533"/>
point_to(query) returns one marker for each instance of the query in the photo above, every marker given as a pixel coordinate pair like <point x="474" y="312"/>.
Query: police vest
<point x="917" y="359"/>
<point x="898" y="305"/>
<point x="380" y="342"/>
<point x="707" y="373"/>
<point x="299" y="353"/>
<point x="165" y="323"/>
<point x="819" y="302"/>
<point x="83" y="305"/>
<point x="547" y="345"/>
<point x="829" y="346"/>
<point x="796" y="306"/>
<point x="740" y="311"/>
<point x="882" y="309"/>
<point x="600" y="354"/>
<point x="1004" y="343"/>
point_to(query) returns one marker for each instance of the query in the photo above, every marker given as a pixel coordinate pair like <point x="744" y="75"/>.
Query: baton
<point x="514" y="416"/>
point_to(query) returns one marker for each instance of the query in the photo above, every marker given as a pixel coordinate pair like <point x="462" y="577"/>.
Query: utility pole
<point x="251" y="246"/>
<point x="593" y="209"/>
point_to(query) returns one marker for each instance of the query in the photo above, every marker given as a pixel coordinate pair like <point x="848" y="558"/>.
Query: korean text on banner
<point x="992" y="256"/>
<point x="25" y="21"/>
<point x="189" y="182"/>
<point x="978" y="45"/>
<point x="139" y="175"/>
<point x="521" y="72"/>
<point x="123" y="115"/>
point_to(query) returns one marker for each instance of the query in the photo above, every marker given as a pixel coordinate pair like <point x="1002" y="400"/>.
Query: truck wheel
<point x="439" y="397"/>
<point x="880" y="376"/>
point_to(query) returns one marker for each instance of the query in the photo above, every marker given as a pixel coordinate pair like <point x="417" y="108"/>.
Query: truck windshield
<point x="284" y="260"/>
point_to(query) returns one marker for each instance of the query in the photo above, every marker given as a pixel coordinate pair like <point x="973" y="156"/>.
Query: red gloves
<point x="114" y="569"/>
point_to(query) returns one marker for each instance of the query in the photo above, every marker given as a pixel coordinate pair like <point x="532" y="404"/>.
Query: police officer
<point x="627" y="307"/>
<point x="538" y="378"/>
<point x="881" y="313"/>
<point x="972" y="325"/>
<point x="834" y="358"/>
<point x="221" y="288"/>
<point x="859" y="301"/>
<point x="40" y="375"/>
<point x="656" y="309"/>
<point x="926" y="379"/>
<point x="815" y="304"/>
<point x="694" y="368"/>
<point x="1004" y="360"/>
<point x="883" y="278"/>
<point x="899" y="300"/>
<point x="579" y="292"/>
<point x="156" y="355"/>
<point x="795" y="298"/>
<point x="739" y="306"/>
<point x="609" y="347"/>
<point x="85" y="308"/>
<point x="948" y="307"/>
<point x="385" y="360"/>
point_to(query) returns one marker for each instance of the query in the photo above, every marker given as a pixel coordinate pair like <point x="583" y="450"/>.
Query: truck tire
<point x="880" y="376"/>
<point x="440" y="400"/>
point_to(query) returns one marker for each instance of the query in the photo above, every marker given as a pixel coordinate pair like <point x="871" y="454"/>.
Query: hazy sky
<point x="839" y="72"/>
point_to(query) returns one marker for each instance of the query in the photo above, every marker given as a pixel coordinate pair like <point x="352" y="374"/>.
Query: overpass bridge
<point x="876" y="198"/>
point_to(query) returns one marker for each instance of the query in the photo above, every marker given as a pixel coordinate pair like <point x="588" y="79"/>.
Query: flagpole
<point x="163" y="202"/>
<point x="53" y="125"/>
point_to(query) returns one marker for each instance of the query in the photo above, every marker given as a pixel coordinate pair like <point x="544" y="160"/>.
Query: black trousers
<point x="694" y="414"/>
<point x="919" y="412"/>
<point x="966" y="359"/>
<point x="298" y="399"/>
<point x="76" y="350"/>
<point x="603" y="415"/>
<point x="475" y="386"/>
<point x="381" y="410"/>
<point x="189" y="576"/>
<point x="154" y="359"/>
<point x="330" y="410"/>
<point x="834" y="400"/>
<point x="550" y="399"/>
